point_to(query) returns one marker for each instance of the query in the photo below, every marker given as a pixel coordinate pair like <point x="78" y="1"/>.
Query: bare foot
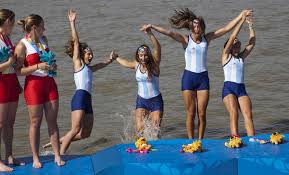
<point x="47" y="145"/>
<point x="12" y="161"/>
<point x="5" y="168"/>
<point x="37" y="164"/>
<point x="59" y="162"/>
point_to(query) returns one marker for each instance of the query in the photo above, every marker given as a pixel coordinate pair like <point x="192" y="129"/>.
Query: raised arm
<point x="99" y="66"/>
<point x="76" y="55"/>
<point x="220" y="32"/>
<point x="226" y="50"/>
<point x="174" y="35"/>
<point x="252" y="39"/>
<point x="156" y="45"/>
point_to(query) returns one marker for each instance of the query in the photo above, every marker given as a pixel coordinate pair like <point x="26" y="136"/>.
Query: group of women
<point x="29" y="59"/>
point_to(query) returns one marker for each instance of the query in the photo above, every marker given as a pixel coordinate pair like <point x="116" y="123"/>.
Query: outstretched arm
<point x="252" y="39"/>
<point x="220" y="32"/>
<point x="156" y="45"/>
<point x="226" y="50"/>
<point x="125" y="63"/>
<point x="76" y="55"/>
<point x="99" y="66"/>
<point x="174" y="35"/>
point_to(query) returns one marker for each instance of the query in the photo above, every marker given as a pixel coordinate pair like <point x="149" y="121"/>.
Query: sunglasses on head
<point x="195" y="22"/>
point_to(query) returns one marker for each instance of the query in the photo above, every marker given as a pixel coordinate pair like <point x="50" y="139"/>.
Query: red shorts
<point x="39" y="90"/>
<point x="9" y="88"/>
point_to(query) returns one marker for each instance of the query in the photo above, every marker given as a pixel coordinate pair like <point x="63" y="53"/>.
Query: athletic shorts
<point x="9" y="88"/>
<point x="195" y="81"/>
<point x="39" y="90"/>
<point x="237" y="89"/>
<point x="81" y="100"/>
<point x="151" y="104"/>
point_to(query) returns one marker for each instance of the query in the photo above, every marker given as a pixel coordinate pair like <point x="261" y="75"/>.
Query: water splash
<point x="150" y="131"/>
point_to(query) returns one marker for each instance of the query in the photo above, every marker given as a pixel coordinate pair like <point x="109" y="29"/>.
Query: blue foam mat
<point x="252" y="158"/>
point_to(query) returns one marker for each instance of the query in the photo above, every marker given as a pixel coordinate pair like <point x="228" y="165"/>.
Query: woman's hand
<point x="71" y="15"/>
<point x="247" y="13"/>
<point x="43" y="66"/>
<point x="11" y="59"/>
<point x="146" y="28"/>
<point x="113" y="56"/>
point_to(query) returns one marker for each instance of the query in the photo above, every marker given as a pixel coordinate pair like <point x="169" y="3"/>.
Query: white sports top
<point x="234" y="70"/>
<point x="147" y="88"/>
<point x="83" y="79"/>
<point x="196" y="55"/>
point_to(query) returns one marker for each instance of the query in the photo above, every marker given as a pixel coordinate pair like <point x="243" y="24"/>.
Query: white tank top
<point x="147" y="88"/>
<point x="31" y="50"/>
<point x="83" y="79"/>
<point x="196" y="55"/>
<point x="10" y="69"/>
<point x="234" y="70"/>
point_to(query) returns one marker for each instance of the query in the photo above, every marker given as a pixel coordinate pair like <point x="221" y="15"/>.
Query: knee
<point x="190" y="114"/>
<point x="35" y="122"/>
<point x="75" y="130"/>
<point x="247" y="115"/>
<point x="233" y="113"/>
<point x="202" y="116"/>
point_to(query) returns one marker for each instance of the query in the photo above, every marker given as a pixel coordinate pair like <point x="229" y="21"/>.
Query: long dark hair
<point x="182" y="19"/>
<point x="151" y="65"/>
<point x="69" y="47"/>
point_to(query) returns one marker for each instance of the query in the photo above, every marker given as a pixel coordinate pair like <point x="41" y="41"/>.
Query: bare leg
<point x="190" y="98"/>
<point x="203" y="99"/>
<point x="35" y="115"/>
<point x="246" y="109"/>
<point x="51" y="111"/>
<point x="3" y="120"/>
<point x="76" y="119"/>
<point x="231" y="104"/>
<point x="85" y="131"/>
<point x="156" y="118"/>
<point x="139" y="120"/>
<point x="8" y="134"/>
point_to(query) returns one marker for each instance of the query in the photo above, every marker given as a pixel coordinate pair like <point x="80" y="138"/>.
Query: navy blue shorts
<point x="195" y="81"/>
<point x="152" y="104"/>
<point x="81" y="101"/>
<point x="237" y="89"/>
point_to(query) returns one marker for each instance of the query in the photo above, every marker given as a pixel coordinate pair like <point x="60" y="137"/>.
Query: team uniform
<point x="9" y="86"/>
<point x="149" y="96"/>
<point x="234" y="77"/>
<point x="39" y="88"/>
<point x="82" y="97"/>
<point x="195" y="76"/>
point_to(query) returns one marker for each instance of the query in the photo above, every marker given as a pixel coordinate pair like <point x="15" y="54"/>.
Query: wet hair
<point x="182" y="19"/>
<point x="228" y="40"/>
<point x="233" y="43"/>
<point x="69" y="47"/>
<point x="29" y="21"/>
<point x="151" y="65"/>
<point x="6" y="14"/>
